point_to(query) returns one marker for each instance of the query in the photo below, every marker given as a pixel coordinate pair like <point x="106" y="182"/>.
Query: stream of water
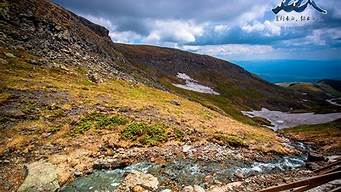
<point x="183" y="172"/>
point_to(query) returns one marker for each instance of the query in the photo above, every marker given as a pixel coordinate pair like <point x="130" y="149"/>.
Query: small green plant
<point x="98" y="121"/>
<point x="231" y="140"/>
<point x="55" y="129"/>
<point x="178" y="133"/>
<point x="145" y="134"/>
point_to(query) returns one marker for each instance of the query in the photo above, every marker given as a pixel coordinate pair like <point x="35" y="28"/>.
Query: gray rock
<point x="228" y="187"/>
<point x="136" y="178"/>
<point x="188" y="189"/>
<point x="239" y="175"/>
<point x="41" y="176"/>
<point x="197" y="188"/>
<point x="77" y="173"/>
<point x="166" y="190"/>
<point x="175" y="102"/>
<point x="9" y="55"/>
<point x="3" y="61"/>
<point x="94" y="77"/>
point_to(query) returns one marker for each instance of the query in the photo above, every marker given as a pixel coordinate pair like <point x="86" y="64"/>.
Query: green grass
<point x="97" y="121"/>
<point x="220" y="103"/>
<point x="230" y="140"/>
<point x="145" y="134"/>
<point x="179" y="133"/>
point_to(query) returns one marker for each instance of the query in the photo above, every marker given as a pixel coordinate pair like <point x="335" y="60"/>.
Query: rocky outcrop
<point x="41" y="176"/>
<point x="138" y="181"/>
<point x="59" y="37"/>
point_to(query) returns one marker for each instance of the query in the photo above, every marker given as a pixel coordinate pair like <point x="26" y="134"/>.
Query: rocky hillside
<point x="59" y="38"/>
<point x="62" y="39"/>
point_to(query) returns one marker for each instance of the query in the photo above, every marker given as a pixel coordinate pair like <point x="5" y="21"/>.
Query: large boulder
<point x="41" y="176"/>
<point x="138" y="181"/>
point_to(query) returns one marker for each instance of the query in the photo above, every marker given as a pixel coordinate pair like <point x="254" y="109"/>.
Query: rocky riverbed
<point x="189" y="166"/>
<point x="200" y="166"/>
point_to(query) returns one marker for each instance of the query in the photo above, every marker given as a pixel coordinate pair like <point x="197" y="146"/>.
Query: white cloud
<point x="173" y="31"/>
<point x="319" y="37"/>
<point x="267" y="27"/>
<point x="100" y="21"/>
<point x="231" y="50"/>
<point x="125" y="37"/>
<point x="220" y="28"/>
<point x="255" y="13"/>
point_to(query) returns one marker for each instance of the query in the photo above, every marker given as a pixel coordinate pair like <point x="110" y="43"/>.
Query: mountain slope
<point x="238" y="89"/>
<point x="59" y="36"/>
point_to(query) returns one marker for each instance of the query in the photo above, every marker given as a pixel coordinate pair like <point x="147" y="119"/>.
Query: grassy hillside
<point x="239" y="89"/>
<point x="42" y="105"/>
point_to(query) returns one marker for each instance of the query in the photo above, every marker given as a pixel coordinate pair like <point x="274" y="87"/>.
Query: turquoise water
<point x="277" y="71"/>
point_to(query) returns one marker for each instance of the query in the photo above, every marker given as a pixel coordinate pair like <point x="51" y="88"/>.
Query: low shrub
<point x="98" y="121"/>
<point x="145" y="134"/>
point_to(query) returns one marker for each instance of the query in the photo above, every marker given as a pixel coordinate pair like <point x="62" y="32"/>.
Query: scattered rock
<point x="3" y="61"/>
<point x="166" y="190"/>
<point x="188" y="189"/>
<point x="228" y="187"/>
<point x="42" y="176"/>
<point x="77" y="173"/>
<point x="136" y="178"/>
<point x="175" y="102"/>
<point x="197" y="188"/>
<point x="35" y="62"/>
<point x="110" y="164"/>
<point x="94" y="77"/>
<point x="312" y="166"/>
<point x="138" y="188"/>
<point x="9" y="55"/>
<point x="239" y="175"/>
<point x="186" y="148"/>
<point x="312" y="157"/>
<point x="209" y="179"/>
<point x="46" y="134"/>
<point x="14" y="113"/>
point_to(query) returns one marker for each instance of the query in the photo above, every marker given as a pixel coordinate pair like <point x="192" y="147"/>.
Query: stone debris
<point x="42" y="176"/>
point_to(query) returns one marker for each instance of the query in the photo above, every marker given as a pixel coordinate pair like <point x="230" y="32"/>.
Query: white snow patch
<point x="193" y="85"/>
<point x="281" y="120"/>
<point x="333" y="101"/>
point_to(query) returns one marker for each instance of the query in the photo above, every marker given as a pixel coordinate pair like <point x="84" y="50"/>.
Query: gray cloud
<point x="178" y="23"/>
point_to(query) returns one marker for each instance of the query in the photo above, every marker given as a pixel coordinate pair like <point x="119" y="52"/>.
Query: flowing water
<point x="183" y="172"/>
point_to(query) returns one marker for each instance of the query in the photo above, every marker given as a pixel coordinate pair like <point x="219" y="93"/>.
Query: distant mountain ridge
<point x="335" y="84"/>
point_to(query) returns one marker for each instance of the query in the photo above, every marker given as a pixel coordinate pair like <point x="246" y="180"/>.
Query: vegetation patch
<point x="179" y="133"/>
<point x="230" y="140"/>
<point x="4" y="97"/>
<point x="145" y="134"/>
<point x="98" y="121"/>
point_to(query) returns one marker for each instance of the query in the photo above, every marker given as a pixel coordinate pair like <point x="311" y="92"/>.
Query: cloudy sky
<point x="228" y="29"/>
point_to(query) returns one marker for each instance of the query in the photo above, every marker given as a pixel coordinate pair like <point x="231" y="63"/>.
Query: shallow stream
<point x="182" y="172"/>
